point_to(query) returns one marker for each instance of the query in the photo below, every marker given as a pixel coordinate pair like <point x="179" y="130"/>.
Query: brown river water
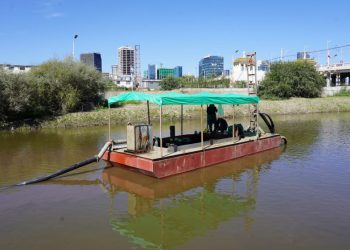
<point x="297" y="197"/>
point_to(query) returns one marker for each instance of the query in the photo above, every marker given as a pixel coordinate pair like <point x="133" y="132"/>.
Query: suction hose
<point x="95" y="158"/>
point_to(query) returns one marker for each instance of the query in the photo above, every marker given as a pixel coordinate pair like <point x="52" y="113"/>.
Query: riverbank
<point x="138" y="113"/>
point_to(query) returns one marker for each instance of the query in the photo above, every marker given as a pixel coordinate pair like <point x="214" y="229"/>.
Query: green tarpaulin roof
<point x="174" y="98"/>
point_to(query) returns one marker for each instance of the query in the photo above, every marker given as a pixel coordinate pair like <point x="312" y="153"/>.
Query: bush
<point x="68" y="86"/>
<point x="192" y="82"/>
<point x="52" y="88"/>
<point x="240" y="84"/>
<point x="292" y="79"/>
<point x="169" y="83"/>
<point x="15" y="96"/>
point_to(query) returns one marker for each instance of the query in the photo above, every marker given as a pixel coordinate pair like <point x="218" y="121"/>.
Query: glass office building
<point x="303" y="55"/>
<point x="164" y="72"/>
<point x="178" y="71"/>
<point x="211" y="66"/>
<point x="92" y="59"/>
<point x="152" y="71"/>
<point x="263" y="66"/>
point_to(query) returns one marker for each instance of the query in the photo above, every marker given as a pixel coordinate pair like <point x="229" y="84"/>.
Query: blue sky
<point x="170" y="32"/>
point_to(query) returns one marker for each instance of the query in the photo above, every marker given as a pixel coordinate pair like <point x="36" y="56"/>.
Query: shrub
<point x="52" y="88"/>
<point x="169" y="83"/>
<point x="240" y="84"/>
<point x="67" y="86"/>
<point x="292" y="79"/>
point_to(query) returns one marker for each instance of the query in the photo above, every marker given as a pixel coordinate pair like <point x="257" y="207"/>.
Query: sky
<point x="171" y="33"/>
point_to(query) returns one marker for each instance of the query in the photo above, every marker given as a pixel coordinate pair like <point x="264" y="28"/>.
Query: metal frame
<point x="160" y="130"/>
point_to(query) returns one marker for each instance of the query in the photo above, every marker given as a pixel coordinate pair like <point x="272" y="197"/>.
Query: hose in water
<point x="60" y="172"/>
<point x="95" y="158"/>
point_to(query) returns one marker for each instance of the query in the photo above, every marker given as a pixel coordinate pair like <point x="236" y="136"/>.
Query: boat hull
<point x="181" y="163"/>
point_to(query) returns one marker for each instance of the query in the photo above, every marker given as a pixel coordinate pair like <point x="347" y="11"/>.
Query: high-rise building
<point x="114" y="70"/>
<point x="92" y="59"/>
<point x="211" y="66"/>
<point x="164" y="72"/>
<point x="303" y="55"/>
<point x="152" y="73"/>
<point x="263" y="65"/>
<point x="126" y="64"/>
<point x="129" y="67"/>
<point x="178" y="71"/>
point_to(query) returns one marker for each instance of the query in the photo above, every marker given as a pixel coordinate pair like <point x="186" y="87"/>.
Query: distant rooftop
<point x="126" y="47"/>
<point x="16" y="65"/>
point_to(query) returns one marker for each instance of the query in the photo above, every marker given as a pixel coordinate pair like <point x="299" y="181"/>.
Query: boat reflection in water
<point x="169" y="212"/>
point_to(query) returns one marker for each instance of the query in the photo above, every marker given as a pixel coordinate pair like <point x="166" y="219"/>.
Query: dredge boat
<point x="166" y="156"/>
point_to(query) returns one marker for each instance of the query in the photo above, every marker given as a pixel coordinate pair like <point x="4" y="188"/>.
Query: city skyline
<point x="37" y="31"/>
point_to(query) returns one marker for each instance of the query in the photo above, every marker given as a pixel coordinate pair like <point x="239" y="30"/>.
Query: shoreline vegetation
<point x="70" y="94"/>
<point x="138" y="113"/>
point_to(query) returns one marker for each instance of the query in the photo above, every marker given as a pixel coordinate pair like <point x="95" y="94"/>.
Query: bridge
<point x="336" y="74"/>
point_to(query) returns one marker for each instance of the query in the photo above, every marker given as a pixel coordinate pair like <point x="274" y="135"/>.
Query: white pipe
<point x="103" y="150"/>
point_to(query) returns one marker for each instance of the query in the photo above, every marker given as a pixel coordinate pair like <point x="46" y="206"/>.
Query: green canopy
<point x="174" y="98"/>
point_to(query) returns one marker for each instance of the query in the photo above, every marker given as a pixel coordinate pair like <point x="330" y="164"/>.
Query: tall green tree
<point x="292" y="79"/>
<point x="67" y="86"/>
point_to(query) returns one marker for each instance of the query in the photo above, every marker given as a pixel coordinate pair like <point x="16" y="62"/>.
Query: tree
<point x="67" y="86"/>
<point x="15" y="97"/>
<point x="292" y="79"/>
<point x="52" y="88"/>
<point x="170" y="83"/>
<point x="240" y="84"/>
<point x="3" y="96"/>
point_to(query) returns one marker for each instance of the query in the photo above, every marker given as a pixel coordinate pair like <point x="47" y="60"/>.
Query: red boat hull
<point x="180" y="163"/>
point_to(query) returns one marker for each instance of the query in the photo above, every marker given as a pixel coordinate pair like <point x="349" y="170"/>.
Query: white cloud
<point x="54" y="15"/>
<point x="50" y="8"/>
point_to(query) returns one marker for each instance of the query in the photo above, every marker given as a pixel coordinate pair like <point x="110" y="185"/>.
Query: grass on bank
<point x="138" y="112"/>
<point x="343" y="92"/>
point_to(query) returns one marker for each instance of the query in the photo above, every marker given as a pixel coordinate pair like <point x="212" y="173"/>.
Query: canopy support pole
<point x="182" y="119"/>
<point x="160" y="130"/>
<point x="202" y="137"/>
<point x="233" y="125"/>
<point x="257" y="119"/>
<point x="148" y="115"/>
<point x="109" y="122"/>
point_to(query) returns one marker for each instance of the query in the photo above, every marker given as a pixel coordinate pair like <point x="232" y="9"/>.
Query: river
<point x="295" y="197"/>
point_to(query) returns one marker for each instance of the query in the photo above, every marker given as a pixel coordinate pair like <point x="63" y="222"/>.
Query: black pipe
<point x="267" y="119"/>
<point x="61" y="172"/>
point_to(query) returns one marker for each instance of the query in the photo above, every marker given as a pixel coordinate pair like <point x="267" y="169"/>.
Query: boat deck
<point x="192" y="156"/>
<point x="155" y="154"/>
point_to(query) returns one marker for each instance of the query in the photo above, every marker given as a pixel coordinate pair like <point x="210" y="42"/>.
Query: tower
<point x="252" y="90"/>
<point x="137" y="69"/>
<point x="92" y="59"/>
<point x="129" y="64"/>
